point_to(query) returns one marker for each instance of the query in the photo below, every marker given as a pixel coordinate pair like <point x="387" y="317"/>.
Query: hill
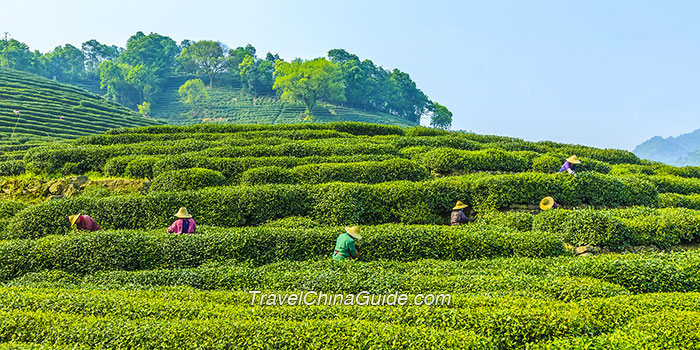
<point x="33" y="107"/>
<point x="271" y="200"/>
<point x="228" y="103"/>
<point x="680" y="151"/>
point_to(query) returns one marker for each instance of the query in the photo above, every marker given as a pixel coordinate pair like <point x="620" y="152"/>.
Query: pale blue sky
<point x="602" y="73"/>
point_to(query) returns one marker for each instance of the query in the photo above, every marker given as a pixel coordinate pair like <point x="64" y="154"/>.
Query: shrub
<point x="141" y="167"/>
<point x="444" y="160"/>
<point x="517" y="220"/>
<point x="268" y="175"/>
<point x="12" y="168"/>
<point x="187" y="180"/>
<point x="546" y="164"/>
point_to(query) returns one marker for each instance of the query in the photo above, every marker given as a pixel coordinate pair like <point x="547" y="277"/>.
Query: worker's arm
<point x="568" y="170"/>
<point x="352" y="250"/>
<point x="173" y="227"/>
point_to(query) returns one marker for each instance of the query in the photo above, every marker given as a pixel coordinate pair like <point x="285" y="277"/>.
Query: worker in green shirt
<point x="345" y="244"/>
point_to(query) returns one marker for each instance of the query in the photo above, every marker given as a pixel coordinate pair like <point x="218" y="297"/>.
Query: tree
<point x="96" y="53"/>
<point x="16" y="55"/>
<point x="126" y="84"/>
<point x="248" y="69"/>
<point x="203" y="57"/>
<point x="309" y="81"/>
<point x="193" y="93"/>
<point x="440" y="116"/>
<point x="154" y="51"/>
<point x="64" y="63"/>
<point x="144" y="109"/>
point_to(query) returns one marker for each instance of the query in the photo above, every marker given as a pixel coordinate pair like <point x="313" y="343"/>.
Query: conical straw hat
<point x="547" y="203"/>
<point x="73" y="219"/>
<point x="354" y="232"/>
<point x="459" y="205"/>
<point x="183" y="214"/>
<point x="573" y="160"/>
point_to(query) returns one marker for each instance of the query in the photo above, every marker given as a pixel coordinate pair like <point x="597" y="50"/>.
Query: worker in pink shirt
<point x="184" y="222"/>
<point x="83" y="223"/>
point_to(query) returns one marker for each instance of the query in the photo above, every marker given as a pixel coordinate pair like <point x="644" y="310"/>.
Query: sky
<point x="600" y="73"/>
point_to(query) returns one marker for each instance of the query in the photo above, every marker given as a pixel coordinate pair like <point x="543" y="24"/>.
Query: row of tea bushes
<point x="335" y="203"/>
<point x="360" y="172"/>
<point x="622" y="227"/>
<point x="134" y="250"/>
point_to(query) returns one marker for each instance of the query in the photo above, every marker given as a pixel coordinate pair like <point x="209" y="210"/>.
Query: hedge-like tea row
<point x="231" y="168"/>
<point x="335" y="203"/>
<point x="91" y="157"/>
<point x="616" y="228"/>
<point x="187" y="179"/>
<point x="360" y="172"/>
<point x="674" y="184"/>
<point x="122" y="333"/>
<point x="674" y="200"/>
<point x="443" y="160"/>
<point x="132" y="250"/>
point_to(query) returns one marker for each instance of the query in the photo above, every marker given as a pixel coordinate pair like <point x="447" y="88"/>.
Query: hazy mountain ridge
<point x="679" y="151"/>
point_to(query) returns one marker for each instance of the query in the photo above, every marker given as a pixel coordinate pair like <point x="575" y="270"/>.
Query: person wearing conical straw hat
<point x="570" y="165"/>
<point x="457" y="217"/>
<point x="83" y="223"/>
<point x="548" y="203"/>
<point x="184" y="222"/>
<point x="345" y="244"/>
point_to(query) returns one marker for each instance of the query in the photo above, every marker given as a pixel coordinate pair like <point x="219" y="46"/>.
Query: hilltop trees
<point x="64" y="63"/>
<point x="257" y="74"/>
<point x="309" y="81"/>
<point x="16" y="55"/>
<point x="95" y="53"/>
<point x="203" y="57"/>
<point x="441" y="117"/>
<point x="138" y="73"/>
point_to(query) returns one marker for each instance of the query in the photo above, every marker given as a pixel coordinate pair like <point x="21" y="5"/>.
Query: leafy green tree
<point x="248" y="69"/>
<point x="64" y="63"/>
<point x="308" y="82"/>
<point x="193" y="93"/>
<point x="126" y="84"/>
<point x="440" y="116"/>
<point x="203" y="57"/>
<point x="144" y="108"/>
<point x="154" y="51"/>
<point x="16" y="55"/>
<point x="237" y="55"/>
<point x="96" y="53"/>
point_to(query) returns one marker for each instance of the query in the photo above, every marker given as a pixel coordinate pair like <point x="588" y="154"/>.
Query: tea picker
<point x="83" y="223"/>
<point x="570" y="165"/>
<point x="184" y="222"/>
<point x="548" y="203"/>
<point x="345" y="244"/>
<point x="457" y="217"/>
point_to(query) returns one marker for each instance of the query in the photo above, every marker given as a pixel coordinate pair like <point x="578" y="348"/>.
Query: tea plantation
<point x="613" y="268"/>
<point x="33" y="107"/>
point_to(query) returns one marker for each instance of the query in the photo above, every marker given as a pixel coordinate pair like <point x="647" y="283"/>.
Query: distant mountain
<point x="679" y="151"/>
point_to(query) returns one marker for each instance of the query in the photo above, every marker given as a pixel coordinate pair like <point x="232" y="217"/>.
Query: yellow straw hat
<point x="573" y="160"/>
<point x="183" y="214"/>
<point x="73" y="219"/>
<point x="459" y="205"/>
<point x="354" y="232"/>
<point x="547" y="203"/>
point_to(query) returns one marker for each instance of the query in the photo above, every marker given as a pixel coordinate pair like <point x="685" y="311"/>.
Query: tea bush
<point x="187" y="180"/>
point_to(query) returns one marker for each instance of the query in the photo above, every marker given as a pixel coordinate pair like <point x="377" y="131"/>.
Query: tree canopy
<point x="137" y="73"/>
<point x="308" y="82"/>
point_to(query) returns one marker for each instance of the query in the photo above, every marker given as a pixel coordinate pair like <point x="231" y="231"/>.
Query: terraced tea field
<point x="270" y="201"/>
<point x="32" y="107"/>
